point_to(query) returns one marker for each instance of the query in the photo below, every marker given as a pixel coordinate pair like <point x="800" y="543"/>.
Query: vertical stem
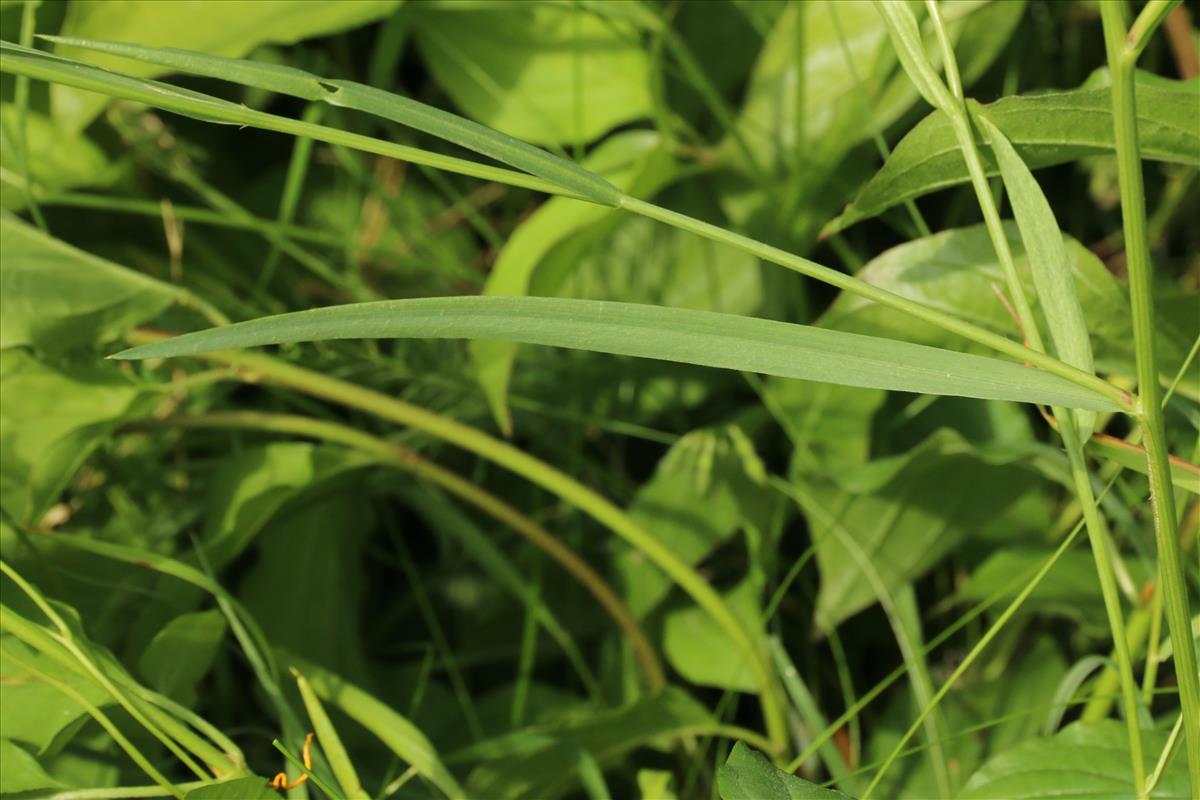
<point x="1121" y="59"/>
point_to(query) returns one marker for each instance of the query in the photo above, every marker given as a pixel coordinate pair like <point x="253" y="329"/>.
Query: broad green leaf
<point x="543" y="762"/>
<point x="634" y="162"/>
<point x="903" y="514"/>
<point x="1044" y="129"/>
<point x="55" y="297"/>
<point x="22" y="772"/>
<point x="545" y="73"/>
<point x="698" y="497"/>
<point x="58" y="159"/>
<point x="232" y="28"/>
<point x="253" y="485"/>
<point x="1052" y="274"/>
<point x="33" y="712"/>
<point x="982" y="716"/>
<point x="181" y="654"/>
<point x="955" y="271"/>
<point x="847" y="92"/>
<point x="401" y="737"/>
<point x="670" y="334"/>
<point x="700" y="651"/>
<point x="252" y="788"/>
<point x="748" y="775"/>
<point x="50" y="421"/>
<point x="1069" y="590"/>
<point x="1083" y="760"/>
<point x="289" y="80"/>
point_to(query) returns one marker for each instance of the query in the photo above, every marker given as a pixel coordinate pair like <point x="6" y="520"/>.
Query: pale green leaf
<point x="22" y="772"/>
<point x="331" y="743"/>
<point x="545" y="73"/>
<point x="56" y="297"/>
<point x="50" y="421"/>
<point x="670" y="334"/>
<point x="1048" y="262"/>
<point x="905" y="33"/>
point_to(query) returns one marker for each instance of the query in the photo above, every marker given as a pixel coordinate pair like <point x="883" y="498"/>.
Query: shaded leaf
<point x="543" y="762"/>
<point x="748" y="775"/>
<point x="699" y="650"/>
<point x="670" y="334"/>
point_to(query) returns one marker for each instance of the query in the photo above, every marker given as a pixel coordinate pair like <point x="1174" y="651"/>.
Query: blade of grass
<point x="400" y="735"/>
<point x="331" y="743"/>
<point x="360" y="97"/>
<point x="43" y="66"/>
<point x="693" y="337"/>
<point x="400" y="109"/>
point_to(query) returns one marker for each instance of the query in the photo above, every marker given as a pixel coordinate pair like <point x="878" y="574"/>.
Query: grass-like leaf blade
<point x="368" y="99"/>
<point x="1047" y="261"/>
<point x="43" y="66"/>
<point x="670" y="334"/>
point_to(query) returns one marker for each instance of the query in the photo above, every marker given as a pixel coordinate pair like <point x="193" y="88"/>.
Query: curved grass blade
<point x="56" y="69"/>
<point x="368" y="99"/>
<point x="671" y="334"/>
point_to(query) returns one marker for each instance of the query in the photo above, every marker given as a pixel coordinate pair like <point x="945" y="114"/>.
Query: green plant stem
<point x="1122" y="60"/>
<point x="540" y="473"/>
<point x="853" y="285"/>
<point x="403" y="458"/>
<point x="1147" y="22"/>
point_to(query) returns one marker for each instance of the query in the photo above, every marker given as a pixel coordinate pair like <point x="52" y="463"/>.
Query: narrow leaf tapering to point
<point x="1047" y="261"/>
<point x="671" y="334"/>
<point x="368" y="99"/>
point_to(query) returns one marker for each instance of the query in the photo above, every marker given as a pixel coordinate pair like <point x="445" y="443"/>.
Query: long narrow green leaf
<point x="368" y="99"/>
<point x="670" y="334"/>
<point x="1047" y="261"/>
<point x="906" y="38"/>
<point x="56" y="69"/>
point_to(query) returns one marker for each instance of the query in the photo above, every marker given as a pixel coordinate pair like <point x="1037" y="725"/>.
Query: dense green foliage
<point x="666" y="399"/>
